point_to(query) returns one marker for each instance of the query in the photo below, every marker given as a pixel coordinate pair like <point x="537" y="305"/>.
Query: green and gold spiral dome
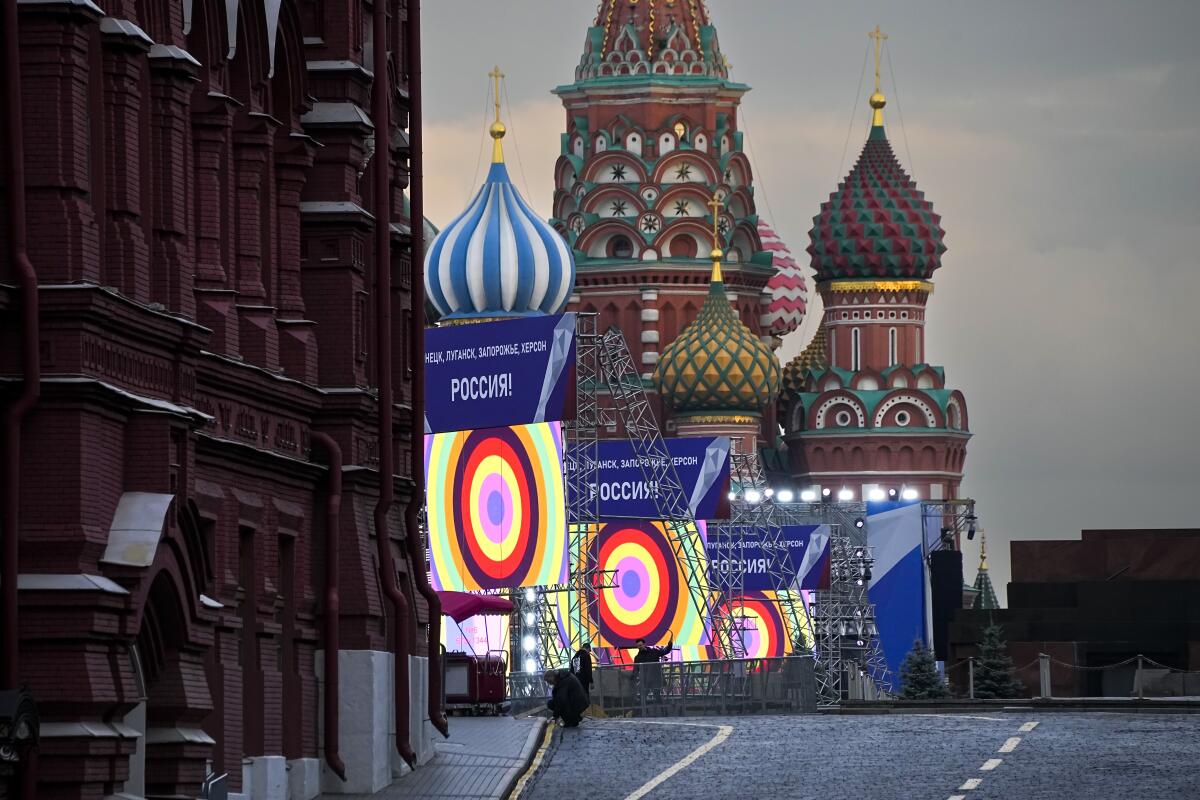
<point x="717" y="368"/>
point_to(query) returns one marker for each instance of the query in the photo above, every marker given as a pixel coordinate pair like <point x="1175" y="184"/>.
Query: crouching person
<point x="568" y="701"/>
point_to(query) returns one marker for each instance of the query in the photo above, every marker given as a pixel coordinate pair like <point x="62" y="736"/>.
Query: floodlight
<point x="530" y="618"/>
<point x="910" y="494"/>
<point x="785" y="495"/>
<point x="733" y="495"/>
<point x="527" y="644"/>
<point x="808" y="496"/>
<point x="530" y="665"/>
<point x="530" y="595"/>
<point x="827" y="493"/>
<point x="768" y="492"/>
<point x="877" y="494"/>
<point x="845" y="495"/>
<point x="859" y="523"/>
<point x="892" y="494"/>
<point x="753" y="495"/>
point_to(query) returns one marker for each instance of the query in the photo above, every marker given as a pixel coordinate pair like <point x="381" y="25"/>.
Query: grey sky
<point x="1060" y="142"/>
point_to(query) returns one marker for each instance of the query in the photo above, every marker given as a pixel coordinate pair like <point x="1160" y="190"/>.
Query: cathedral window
<point x="891" y="346"/>
<point x="855" y="349"/>
<point x="620" y="247"/>
<point x="666" y="143"/>
<point x="903" y="418"/>
<point x="633" y="143"/>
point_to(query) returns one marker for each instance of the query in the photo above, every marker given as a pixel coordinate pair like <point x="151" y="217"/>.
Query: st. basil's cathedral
<point x="652" y="188"/>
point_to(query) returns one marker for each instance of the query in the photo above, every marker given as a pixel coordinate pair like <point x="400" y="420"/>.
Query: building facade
<point x="201" y="219"/>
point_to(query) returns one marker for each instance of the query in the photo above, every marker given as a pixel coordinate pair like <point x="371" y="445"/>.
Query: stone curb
<point x="526" y="758"/>
<point x="1119" y="705"/>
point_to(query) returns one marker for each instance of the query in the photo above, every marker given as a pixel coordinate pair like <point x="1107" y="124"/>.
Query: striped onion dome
<point x="498" y="258"/>
<point x="787" y="287"/>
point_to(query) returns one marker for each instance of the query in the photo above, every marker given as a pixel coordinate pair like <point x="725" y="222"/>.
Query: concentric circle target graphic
<point x="647" y="596"/>
<point x="496" y="510"/>
<point x="759" y="622"/>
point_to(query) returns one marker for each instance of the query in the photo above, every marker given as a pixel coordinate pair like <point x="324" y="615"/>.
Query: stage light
<point x="866" y="573"/>
<point x="910" y="494"/>
<point x="859" y="523"/>
<point x="733" y="495"/>
<point x="768" y="492"/>
<point x="530" y="595"/>
<point x="861" y="643"/>
<point x="858" y="582"/>
<point x="528" y="643"/>
<point x="827" y="493"/>
<point x="859" y="553"/>
<point x="972" y="520"/>
<point x="891" y="494"/>
<point x="530" y="618"/>
<point x="530" y="665"/>
<point x="753" y="495"/>
<point x="845" y="495"/>
<point x="785" y="496"/>
<point x="877" y="494"/>
<point x="808" y="496"/>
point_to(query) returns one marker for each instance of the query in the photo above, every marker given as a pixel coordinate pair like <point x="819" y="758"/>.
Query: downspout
<point x="333" y="526"/>
<point x="401" y="630"/>
<point x="30" y="337"/>
<point x="416" y="197"/>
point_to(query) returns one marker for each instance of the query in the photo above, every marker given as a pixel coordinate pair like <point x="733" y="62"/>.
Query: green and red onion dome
<point x="877" y="225"/>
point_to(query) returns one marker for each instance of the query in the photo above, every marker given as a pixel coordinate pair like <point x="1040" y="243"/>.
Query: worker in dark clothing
<point x="581" y="665"/>
<point x="648" y="671"/>
<point x="567" y="700"/>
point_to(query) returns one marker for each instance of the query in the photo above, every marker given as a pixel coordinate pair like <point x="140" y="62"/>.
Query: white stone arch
<point x="633" y="143"/>
<point x="904" y="399"/>
<point x="700" y="142"/>
<point x="858" y="413"/>
<point x="666" y="143"/>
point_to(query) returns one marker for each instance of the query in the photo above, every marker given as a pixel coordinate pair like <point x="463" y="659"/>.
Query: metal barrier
<point x="729" y="686"/>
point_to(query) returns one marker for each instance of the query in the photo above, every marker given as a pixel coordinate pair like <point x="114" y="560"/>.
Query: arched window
<point x="855" y="345"/>
<point x="620" y="247"/>
<point x="666" y="143"/>
<point x="601" y="143"/>
<point x="683" y="246"/>
<point x="633" y="143"/>
<point x="891" y="346"/>
<point x="919" y="356"/>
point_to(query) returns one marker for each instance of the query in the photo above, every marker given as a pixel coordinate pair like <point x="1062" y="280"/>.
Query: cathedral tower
<point x="862" y="408"/>
<point x="651" y="135"/>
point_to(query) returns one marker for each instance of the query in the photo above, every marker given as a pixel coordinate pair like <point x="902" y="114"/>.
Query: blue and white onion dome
<point x="498" y="259"/>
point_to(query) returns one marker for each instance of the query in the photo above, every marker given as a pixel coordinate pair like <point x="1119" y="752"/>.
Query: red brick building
<point x="200" y="214"/>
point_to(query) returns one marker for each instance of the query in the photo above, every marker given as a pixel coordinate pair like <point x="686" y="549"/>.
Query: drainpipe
<point x="416" y="197"/>
<point x="30" y="337"/>
<point x="333" y="526"/>
<point x="401" y="629"/>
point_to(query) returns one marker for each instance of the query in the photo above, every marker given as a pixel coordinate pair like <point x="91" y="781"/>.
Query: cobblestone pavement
<point x="1092" y="756"/>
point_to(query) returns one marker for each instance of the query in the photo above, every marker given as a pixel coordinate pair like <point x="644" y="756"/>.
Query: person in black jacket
<point x="567" y="700"/>
<point x="581" y="665"/>
<point x="649" y="673"/>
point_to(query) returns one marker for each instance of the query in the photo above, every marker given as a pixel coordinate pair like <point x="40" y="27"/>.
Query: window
<point x="620" y="247"/>
<point x="919" y="356"/>
<point x="902" y="418"/>
<point x="855" y="349"/>
<point x="891" y="346"/>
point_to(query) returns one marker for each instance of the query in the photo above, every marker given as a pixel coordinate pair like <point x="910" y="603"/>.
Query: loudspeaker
<point x="946" y="589"/>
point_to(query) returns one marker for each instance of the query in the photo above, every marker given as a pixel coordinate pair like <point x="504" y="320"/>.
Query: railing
<point x="730" y="686"/>
<point x="1147" y="677"/>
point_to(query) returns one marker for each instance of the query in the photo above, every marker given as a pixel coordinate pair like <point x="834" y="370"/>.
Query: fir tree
<point x="994" y="677"/>
<point x="919" y="678"/>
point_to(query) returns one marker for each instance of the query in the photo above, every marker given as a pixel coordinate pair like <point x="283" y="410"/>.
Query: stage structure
<point x="842" y="617"/>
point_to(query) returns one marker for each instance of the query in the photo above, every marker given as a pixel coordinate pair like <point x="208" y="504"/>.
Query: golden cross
<point x="880" y="37"/>
<point x="716" y="205"/>
<point x="496" y="75"/>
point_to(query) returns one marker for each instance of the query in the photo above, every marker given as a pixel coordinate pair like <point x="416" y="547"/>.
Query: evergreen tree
<point x="919" y="678"/>
<point x="994" y="677"/>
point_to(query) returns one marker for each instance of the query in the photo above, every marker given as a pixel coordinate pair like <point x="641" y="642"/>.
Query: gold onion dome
<point x="717" y="366"/>
<point x="812" y="358"/>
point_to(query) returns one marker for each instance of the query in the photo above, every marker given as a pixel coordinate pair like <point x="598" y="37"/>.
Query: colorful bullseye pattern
<point x="495" y="507"/>
<point x="763" y="623"/>
<point x="650" y="599"/>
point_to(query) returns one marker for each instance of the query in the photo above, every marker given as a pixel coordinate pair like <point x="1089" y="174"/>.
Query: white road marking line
<point x="1011" y="744"/>
<point x="970" y="783"/>
<point x="966" y="716"/>
<point x="991" y="764"/>
<point x="723" y="732"/>
<point x="958" y="797"/>
<point x="1028" y="726"/>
